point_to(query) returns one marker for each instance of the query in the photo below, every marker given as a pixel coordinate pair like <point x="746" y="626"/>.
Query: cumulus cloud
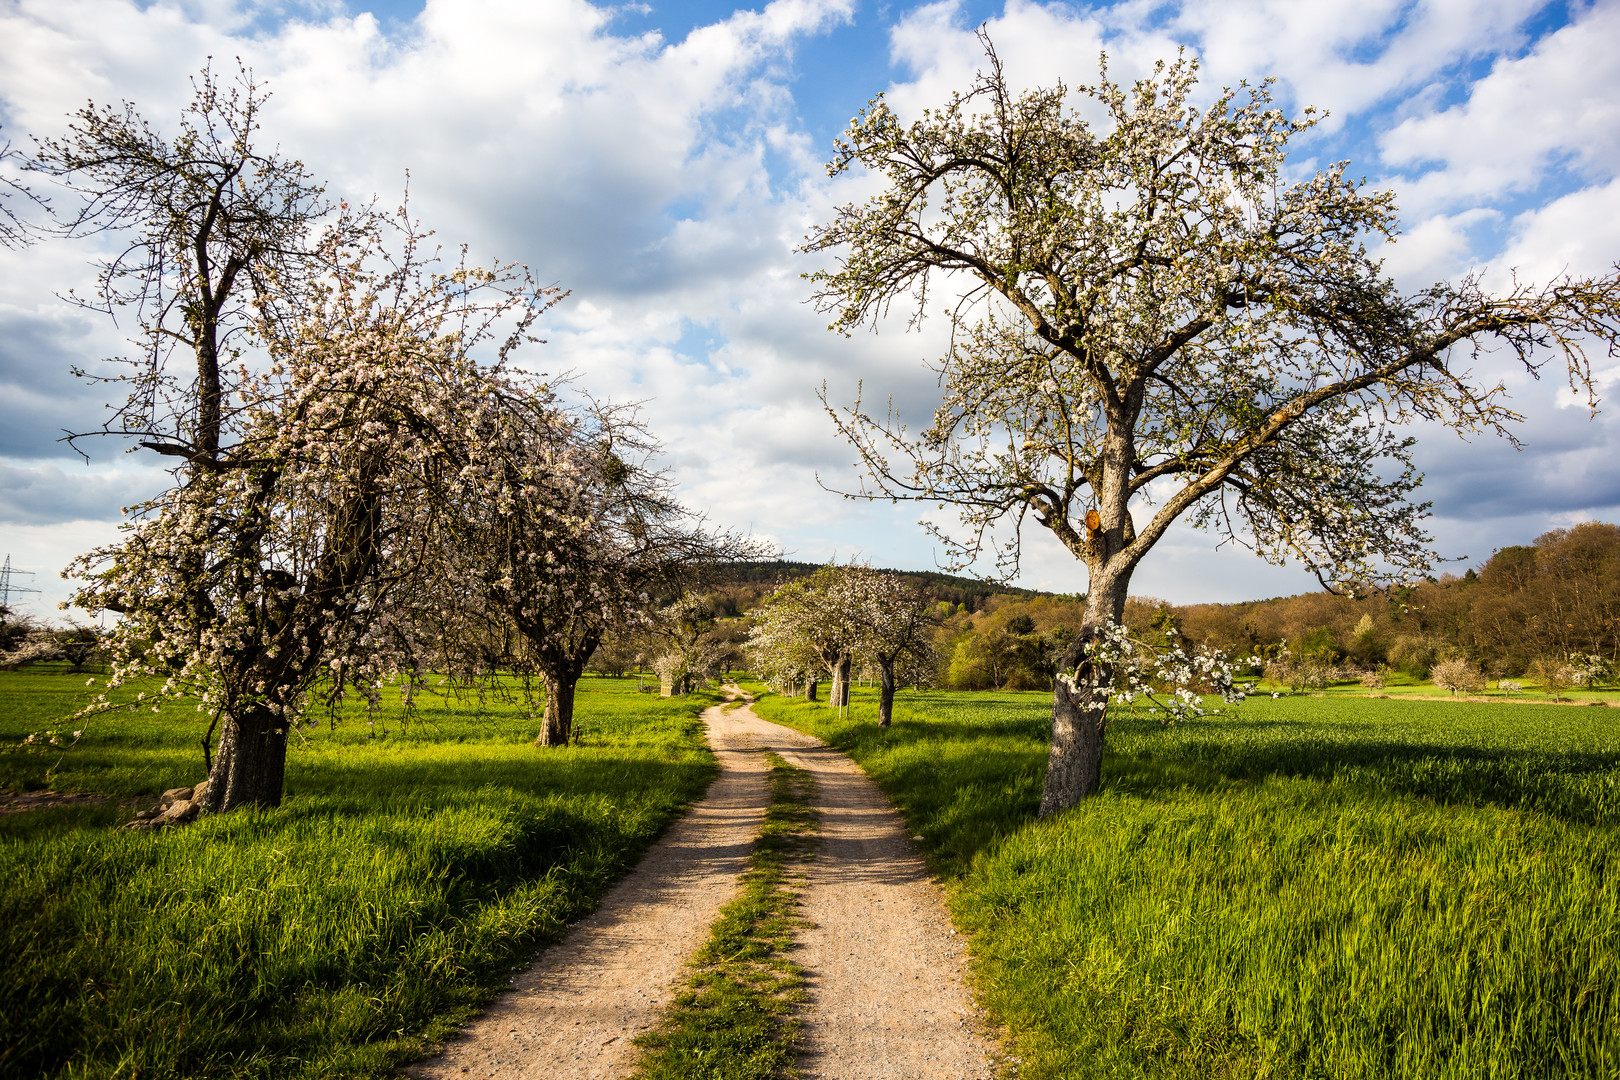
<point x="1559" y="104"/>
<point x="668" y="183"/>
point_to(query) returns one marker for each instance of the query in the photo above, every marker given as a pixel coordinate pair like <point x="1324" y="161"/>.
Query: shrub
<point x="1413" y="655"/>
<point x="1457" y="675"/>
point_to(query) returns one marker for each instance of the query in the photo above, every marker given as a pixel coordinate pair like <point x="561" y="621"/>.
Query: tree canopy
<point x="1150" y="320"/>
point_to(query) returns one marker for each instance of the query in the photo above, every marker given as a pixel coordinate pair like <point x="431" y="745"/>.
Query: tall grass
<point x="406" y="875"/>
<point x="1314" y="888"/>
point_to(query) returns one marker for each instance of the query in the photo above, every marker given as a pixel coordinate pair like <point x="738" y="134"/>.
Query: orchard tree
<point x="301" y="554"/>
<point x="316" y="386"/>
<point x="685" y="652"/>
<point x="576" y="537"/>
<point x="1151" y="322"/>
<point x="892" y="615"/>
<point x="818" y="616"/>
<point x="781" y="647"/>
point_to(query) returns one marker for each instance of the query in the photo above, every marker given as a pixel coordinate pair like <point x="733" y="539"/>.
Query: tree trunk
<point x="559" y="714"/>
<point x="250" y="768"/>
<point x="1074" y="763"/>
<point x="886" y="695"/>
<point x="838" y="696"/>
<point x="1080" y="709"/>
<point x="810" y="689"/>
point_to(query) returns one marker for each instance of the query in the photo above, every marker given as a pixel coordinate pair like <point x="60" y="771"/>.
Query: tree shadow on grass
<point x="1575" y="786"/>
<point x="964" y="784"/>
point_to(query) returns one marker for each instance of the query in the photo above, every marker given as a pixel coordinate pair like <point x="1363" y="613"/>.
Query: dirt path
<point x="887" y="997"/>
<point x="572" y="1015"/>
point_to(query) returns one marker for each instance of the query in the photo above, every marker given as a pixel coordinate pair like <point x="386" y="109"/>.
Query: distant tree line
<point x="1549" y="610"/>
<point x="1528" y="610"/>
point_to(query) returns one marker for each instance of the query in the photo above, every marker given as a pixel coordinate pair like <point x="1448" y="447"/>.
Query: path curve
<point x="885" y="970"/>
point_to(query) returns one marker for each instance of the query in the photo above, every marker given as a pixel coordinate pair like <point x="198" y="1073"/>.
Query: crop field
<point x="411" y="868"/>
<point x="1312" y="887"/>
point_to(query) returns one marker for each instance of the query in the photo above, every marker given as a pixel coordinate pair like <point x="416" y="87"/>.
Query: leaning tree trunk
<point x="558" y="725"/>
<point x="250" y="767"/>
<point x="1080" y="711"/>
<point x="886" y="695"/>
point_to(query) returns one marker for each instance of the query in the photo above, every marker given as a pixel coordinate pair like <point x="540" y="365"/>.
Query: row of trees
<point x="366" y="485"/>
<point x="836" y="619"/>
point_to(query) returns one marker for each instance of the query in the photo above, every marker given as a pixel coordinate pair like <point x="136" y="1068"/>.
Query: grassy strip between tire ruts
<point x="737" y="1019"/>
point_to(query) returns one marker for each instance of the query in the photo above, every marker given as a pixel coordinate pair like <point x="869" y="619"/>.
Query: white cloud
<point x="668" y="182"/>
<point x="1556" y="108"/>
<point x="1577" y="234"/>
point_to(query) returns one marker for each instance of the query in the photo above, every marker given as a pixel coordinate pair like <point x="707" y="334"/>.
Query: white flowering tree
<point x="1151" y="322"/>
<point x="684" y="653"/>
<point x="317" y="388"/>
<point x="573" y="534"/>
<point x="892" y="623"/>
<point x="300" y="555"/>
<point x="810" y="623"/>
<point x="781" y="647"/>
<point x="833" y="617"/>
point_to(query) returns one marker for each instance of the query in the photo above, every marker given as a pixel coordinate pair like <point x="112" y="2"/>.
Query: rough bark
<point x="1080" y="709"/>
<point x="1074" y="762"/>
<point x="810" y="689"/>
<point x="558" y="725"/>
<point x="251" y="764"/>
<point x="886" y="694"/>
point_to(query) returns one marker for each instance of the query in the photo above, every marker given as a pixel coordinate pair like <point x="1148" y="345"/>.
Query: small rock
<point x="180" y="811"/>
<point x="174" y="795"/>
<point x="200" y="792"/>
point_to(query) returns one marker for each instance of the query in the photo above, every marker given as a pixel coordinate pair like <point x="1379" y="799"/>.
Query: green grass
<point x="1398" y="684"/>
<point x="737" y="1019"/>
<point x="404" y="878"/>
<point x="1317" y="887"/>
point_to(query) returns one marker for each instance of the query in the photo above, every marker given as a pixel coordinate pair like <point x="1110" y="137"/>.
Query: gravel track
<point x="884" y="968"/>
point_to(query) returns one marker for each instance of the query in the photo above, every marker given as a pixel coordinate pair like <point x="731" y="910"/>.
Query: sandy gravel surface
<point x="885" y="970"/>
<point x="888" y="1000"/>
<point x="573" y="1013"/>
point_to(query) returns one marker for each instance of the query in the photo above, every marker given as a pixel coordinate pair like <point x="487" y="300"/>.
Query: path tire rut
<point x="887" y="994"/>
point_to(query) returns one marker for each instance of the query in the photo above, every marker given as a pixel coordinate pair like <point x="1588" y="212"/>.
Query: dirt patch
<point x="886" y="971"/>
<point x="17" y="802"/>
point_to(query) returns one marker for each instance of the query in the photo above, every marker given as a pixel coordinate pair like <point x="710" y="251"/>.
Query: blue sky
<point x="663" y="160"/>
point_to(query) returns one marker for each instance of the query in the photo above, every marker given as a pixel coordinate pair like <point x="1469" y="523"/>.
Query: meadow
<point x="1309" y="887"/>
<point x="415" y="863"/>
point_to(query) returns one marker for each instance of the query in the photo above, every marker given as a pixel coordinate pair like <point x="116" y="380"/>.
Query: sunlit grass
<point x="404" y="877"/>
<point x="1316" y="887"/>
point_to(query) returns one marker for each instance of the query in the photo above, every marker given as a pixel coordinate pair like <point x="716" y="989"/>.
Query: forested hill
<point x="748" y="583"/>
<point x="1549" y="601"/>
